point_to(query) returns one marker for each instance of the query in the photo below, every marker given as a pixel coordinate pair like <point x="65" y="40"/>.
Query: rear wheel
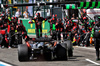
<point x="61" y="52"/>
<point x="23" y="52"/>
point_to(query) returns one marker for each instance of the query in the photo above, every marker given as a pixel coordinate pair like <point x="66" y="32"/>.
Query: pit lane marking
<point x="85" y="47"/>
<point x="92" y="61"/>
<point x="4" y="64"/>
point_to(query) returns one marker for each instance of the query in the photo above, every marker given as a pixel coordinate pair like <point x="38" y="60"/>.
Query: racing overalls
<point x="96" y="34"/>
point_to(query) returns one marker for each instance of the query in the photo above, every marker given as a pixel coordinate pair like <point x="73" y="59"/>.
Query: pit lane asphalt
<point x="79" y="59"/>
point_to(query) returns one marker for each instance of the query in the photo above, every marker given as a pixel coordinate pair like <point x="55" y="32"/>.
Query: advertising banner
<point x="30" y="28"/>
<point x="9" y="1"/>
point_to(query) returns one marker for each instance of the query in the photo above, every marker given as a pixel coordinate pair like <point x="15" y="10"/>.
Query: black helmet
<point x="59" y="20"/>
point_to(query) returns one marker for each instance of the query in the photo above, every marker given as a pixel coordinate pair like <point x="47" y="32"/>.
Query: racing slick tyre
<point x="23" y="52"/>
<point x="61" y="51"/>
<point x="70" y="48"/>
<point x="1" y="39"/>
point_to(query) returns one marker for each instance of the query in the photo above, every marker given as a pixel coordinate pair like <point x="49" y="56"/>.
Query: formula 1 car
<point x="49" y="48"/>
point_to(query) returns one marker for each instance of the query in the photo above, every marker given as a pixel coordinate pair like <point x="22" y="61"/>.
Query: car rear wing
<point x="41" y="39"/>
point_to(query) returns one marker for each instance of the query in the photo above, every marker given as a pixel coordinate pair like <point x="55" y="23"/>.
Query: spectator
<point x="73" y="16"/>
<point x="18" y="13"/>
<point x="8" y="13"/>
<point x="26" y="14"/>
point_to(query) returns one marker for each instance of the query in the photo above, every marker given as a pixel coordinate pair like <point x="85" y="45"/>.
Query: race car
<point x="47" y="47"/>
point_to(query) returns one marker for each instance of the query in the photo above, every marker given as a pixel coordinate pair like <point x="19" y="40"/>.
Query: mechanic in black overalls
<point x="4" y="21"/>
<point x="96" y="34"/>
<point x="38" y="24"/>
<point x="59" y="28"/>
<point x="21" y="28"/>
<point x="53" y="22"/>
